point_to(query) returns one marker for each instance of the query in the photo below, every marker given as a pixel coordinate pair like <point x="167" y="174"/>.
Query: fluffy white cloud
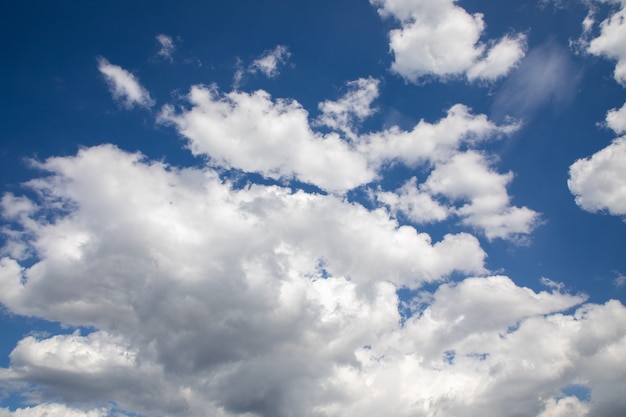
<point x="432" y="142"/>
<point x="124" y="86"/>
<point x="167" y="46"/>
<point x="413" y="202"/>
<point x="439" y="38"/>
<point x="611" y="43"/>
<point x="616" y="119"/>
<point x="254" y="133"/>
<point x="270" y="61"/>
<point x="209" y="299"/>
<point x="599" y="182"/>
<point x="467" y="176"/>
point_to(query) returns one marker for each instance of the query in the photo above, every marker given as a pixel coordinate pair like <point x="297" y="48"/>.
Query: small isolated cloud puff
<point x="616" y="120"/>
<point x="167" y="47"/>
<point x="599" y="182"/>
<point x="440" y="39"/>
<point x="124" y="86"/>
<point x="269" y="62"/>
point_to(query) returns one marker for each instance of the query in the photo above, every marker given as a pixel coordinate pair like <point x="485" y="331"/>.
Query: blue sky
<point x="329" y="208"/>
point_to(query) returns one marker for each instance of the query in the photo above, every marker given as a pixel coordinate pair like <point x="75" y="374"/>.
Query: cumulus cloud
<point x="599" y="182"/>
<point x="432" y="142"/>
<point x="253" y="132"/>
<point x="440" y="39"/>
<point x="205" y="298"/>
<point x="467" y="176"/>
<point x="616" y="120"/>
<point x="412" y="201"/>
<point x="269" y="63"/>
<point x="124" y="86"/>
<point x="167" y="47"/>
<point x="610" y="42"/>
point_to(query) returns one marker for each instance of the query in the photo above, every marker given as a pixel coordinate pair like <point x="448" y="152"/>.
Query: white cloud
<point x="467" y="176"/>
<point x="53" y="410"/>
<point x="255" y="133"/>
<point x="441" y="39"/>
<point x="565" y="407"/>
<point x="354" y="106"/>
<point x="270" y="61"/>
<point x="413" y="202"/>
<point x="610" y="43"/>
<point x="432" y="142"/>
<point x="599" y="182"/>
<point x="616" y="120"/>
<point x="209" y="299"/>
<point x="272" y="137"/>
<point x="124" y="86"/>
<point x="167" y="47"/>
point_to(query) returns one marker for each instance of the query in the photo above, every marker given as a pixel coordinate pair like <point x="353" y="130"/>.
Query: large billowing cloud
<point x="210" y="299"/>
<point x="440" y="39"/>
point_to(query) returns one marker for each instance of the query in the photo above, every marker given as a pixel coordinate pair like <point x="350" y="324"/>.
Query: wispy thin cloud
<point x="167" y="47"/>
<point x="124" y="86"/>
<point x="546" y="76"/>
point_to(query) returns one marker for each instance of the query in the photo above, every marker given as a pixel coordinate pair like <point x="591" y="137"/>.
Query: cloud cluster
<point x="193" y="295"/>
<point x="274" y="137"/>
<point x="124" y="86"/>
<point x="598" y="182"/>
<point x="440" y="39"/>
<point x="210" y="299"/>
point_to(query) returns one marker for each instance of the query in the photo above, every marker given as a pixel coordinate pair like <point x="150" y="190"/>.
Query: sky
<point x="331" y="208"/>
